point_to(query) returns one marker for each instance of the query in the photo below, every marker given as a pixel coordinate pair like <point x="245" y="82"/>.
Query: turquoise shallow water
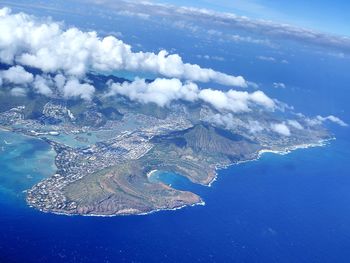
<point x="23" y="161"/>
<point x="176" y="181"/>
<point x="292" y="208"/>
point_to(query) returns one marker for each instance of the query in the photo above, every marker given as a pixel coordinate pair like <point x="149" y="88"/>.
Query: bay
<point x="279" y="209"/>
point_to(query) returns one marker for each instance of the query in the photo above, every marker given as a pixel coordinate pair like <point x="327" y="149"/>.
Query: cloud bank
<point x="44" y="84"/>
<point x="46" y="45"/>
<point x="66" y="55"/>
<point x="232" y="21"/>
<point x="164" y="91"/>
<point x="16" y="75"/>
<point x="161" y="91"/>
<point x="320" y="119"/>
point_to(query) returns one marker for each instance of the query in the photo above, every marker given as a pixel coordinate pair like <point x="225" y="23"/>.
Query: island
<point x="107" y="148"/>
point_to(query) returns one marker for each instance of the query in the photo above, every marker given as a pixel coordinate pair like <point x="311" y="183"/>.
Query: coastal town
<point x="92" y="150"/>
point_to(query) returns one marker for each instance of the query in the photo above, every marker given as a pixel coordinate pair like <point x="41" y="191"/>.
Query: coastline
<point x="258" y="155"/>
<point x="201" y="203"/>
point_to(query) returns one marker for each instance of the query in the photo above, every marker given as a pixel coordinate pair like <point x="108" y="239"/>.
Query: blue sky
<point x="324" y="15"/>
<point x="321" y="15"/>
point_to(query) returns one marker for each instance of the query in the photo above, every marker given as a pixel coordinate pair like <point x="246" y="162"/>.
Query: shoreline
<point x="259" y="154"/>
<point x="201" y="203"/>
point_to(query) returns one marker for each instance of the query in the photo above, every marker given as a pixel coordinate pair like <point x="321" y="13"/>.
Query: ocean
<point x="290" y="208"/>
<point x="293" y="208"/>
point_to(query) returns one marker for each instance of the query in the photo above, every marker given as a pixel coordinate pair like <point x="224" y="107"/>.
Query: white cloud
<point x="272" y="59"/>
<point x="255" y="126"/>
<point x="16" y="75"/>
<point x="225" y="120"/>
<point x="60" y="80"/>
<point x="42" y="85"/>
<point x="279" y="85"/>
<point x="207" y="57"/>
<point x="233" y="121"/>
<point x="319" y="120"/>
<point x="295" y="124"/>
<point x="249" y="40"/>
<point x="164" y="91"/>
<point x="232" y="21"/>
<point x="18" y="92"/>
<point x="332" y="118"/>
<point x="46" y="45"/>
<point x="236" y="38"/>
<point x="262" y="99"/>
<point x="74" y="89"/>
<point x="160" y="91"/>
<point x="45" y="84"/>
<point x="133" y="14"/>
<point x="264" y="58"/>
<point x="221" y="101"/>
<point x="236" y="101"/>
<point x="281" y="128"/>
<point x="183" y="25"/>
<point x="252" y="84"/>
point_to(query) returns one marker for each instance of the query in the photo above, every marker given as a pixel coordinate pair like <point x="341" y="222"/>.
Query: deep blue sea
<point x="293" y="208"/>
